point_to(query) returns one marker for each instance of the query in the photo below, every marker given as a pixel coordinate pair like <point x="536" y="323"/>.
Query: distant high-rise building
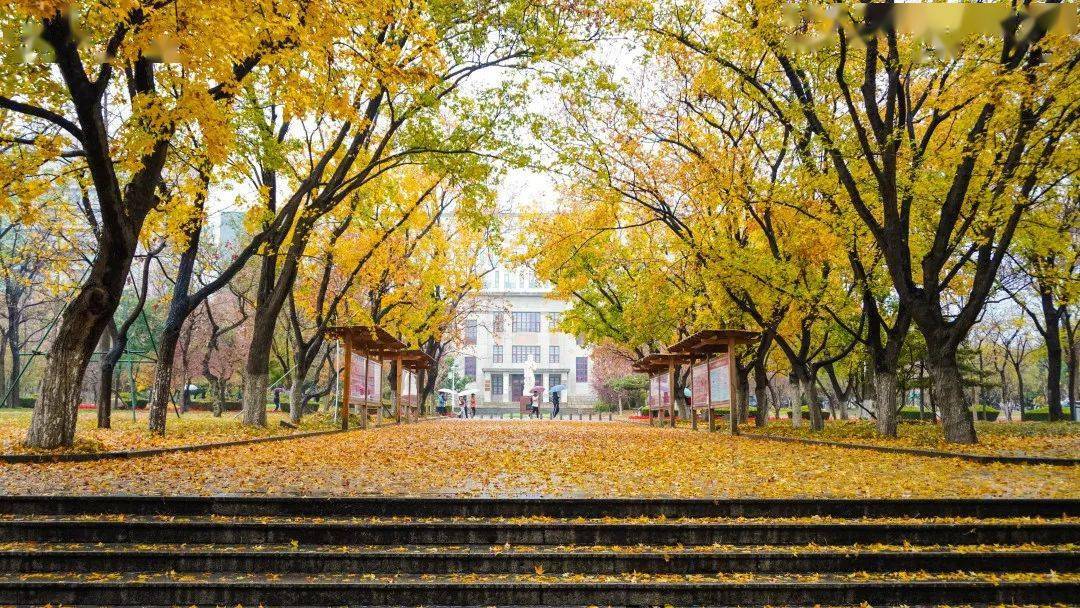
<point x="230" y="229"/>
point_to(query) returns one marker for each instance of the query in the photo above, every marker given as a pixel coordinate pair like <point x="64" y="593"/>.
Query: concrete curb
<point x="980" y="458"/>
<point x="122" y="454"/>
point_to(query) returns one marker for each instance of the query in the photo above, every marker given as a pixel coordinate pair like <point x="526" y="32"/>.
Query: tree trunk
<point x="1052" y="334"/>
<point x="52" y="424"/>
<point x="13" y="345"/>
<point x="742" y="392"/>
<point x="218" y="388"/>
<point x="948" y="396"/>
<point x="1074" y="352"/>
<point x="817" y="419"/>
<point x="254" y="399"/>
<point x="163" y="372"/>
<point x="761" y="388"/>
<point x="885" y="402"/>
<point x="296" y="395"/>
<point x="7" y="401"/>
<point x="105" y="394"/>
<point x="797" y="402"/>
<point x="257" y="366"/>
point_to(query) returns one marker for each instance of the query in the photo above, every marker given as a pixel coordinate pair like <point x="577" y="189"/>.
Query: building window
<point x="497" y="353"/>
<point x="582" y="369"/>
<point x="553" y="354"/>
<point x="554" y="318"/>
<point x="522" y="354"/>
<point x="491" y="280"/>
<point x="496" y="385"/>
<point x="508" y="281"/>
<point x="498" y="324"/>
<point x="525" y="322"/>
<point x="470" y="331"/>
<point x="470" y="366"/>
<point x="554" y="380"/>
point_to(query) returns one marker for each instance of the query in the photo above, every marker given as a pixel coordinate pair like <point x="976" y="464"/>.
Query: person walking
<point x="464" y="408"/>
<point x="472" y="404"/>
<point x="555" y="397"/>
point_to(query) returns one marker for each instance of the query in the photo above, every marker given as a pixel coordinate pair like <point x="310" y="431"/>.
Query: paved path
<point x="542" y="458"/>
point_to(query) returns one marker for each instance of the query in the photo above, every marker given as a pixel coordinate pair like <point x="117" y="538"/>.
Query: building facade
<point x="511" y="343"/>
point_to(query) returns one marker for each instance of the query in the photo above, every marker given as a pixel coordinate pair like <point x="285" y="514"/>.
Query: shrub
<point x="912" y="413"/>
<point x="806" y="413"/>
<point x="1042" y="414"/>
<point x="206" y="405"/>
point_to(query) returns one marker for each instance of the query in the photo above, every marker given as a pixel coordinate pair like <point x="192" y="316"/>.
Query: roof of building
<point x="710" y="341"/>
<point x="658" y="362"/>
<point x="415" y="359"/>
<point x="370" y="339"/>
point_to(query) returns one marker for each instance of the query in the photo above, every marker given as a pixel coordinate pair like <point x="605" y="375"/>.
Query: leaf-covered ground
<point x="542" y="459"/>
<point x="1054" y="439"/>
<point x="127" y="434"/>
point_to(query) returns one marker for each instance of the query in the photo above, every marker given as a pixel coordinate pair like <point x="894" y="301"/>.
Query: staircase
<point x="145" y="551"/>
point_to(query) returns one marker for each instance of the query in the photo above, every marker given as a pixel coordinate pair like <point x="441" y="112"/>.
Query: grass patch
<point x="1056" y="439"/>
<point x="127" y="434"/>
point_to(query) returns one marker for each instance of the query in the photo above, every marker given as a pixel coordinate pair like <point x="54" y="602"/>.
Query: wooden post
<point x="671" y="392"/>
<point x="398" y="376"/>
<point x="710" y="412"/>
<point x="731" y="387"/>
<point x="367" y="395"/>
<point x="348" y="386"/>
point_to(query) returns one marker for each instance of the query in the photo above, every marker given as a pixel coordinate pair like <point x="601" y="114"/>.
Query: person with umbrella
<point x="536" y="391"/>
<point x="556" y="396"/>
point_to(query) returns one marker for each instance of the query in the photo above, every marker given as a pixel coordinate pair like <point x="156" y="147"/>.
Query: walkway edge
<point x="122" y="454"/>
<point x="980" y="458"/>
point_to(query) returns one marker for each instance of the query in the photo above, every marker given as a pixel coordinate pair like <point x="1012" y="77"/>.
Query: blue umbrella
<point x="558" y="388"/>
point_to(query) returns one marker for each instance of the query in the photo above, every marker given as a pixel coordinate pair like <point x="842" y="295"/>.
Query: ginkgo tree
<point x="111" y="84"/>
<point x="938" y="155"/>
<point x="395" y="97"/>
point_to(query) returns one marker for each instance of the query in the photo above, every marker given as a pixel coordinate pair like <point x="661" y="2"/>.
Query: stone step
<point x="533" y="507"/>
<point x="318" y="531"/>
<point x="536" y="590"/>
<point x="436" y="559"/>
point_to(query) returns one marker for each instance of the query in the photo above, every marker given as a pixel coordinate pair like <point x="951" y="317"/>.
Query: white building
<point x="511" y="343"/>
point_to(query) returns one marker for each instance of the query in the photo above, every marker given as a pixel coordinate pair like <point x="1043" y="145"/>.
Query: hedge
<point x="1042" y="414"/>
<point x="806" y="413"/>
<point x="204" y="405"/>
<point x="912" y="413"/>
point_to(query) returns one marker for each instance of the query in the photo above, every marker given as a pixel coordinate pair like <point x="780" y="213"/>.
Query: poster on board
<point x="357" y="384"/>
<point x="654" y="392"/>
<point x="665" y="391"/>
<point x="719" y="380"/>
<point x="374" y="381"/>
<point x="699" y="387"/>
<point x="408" y="395"/>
